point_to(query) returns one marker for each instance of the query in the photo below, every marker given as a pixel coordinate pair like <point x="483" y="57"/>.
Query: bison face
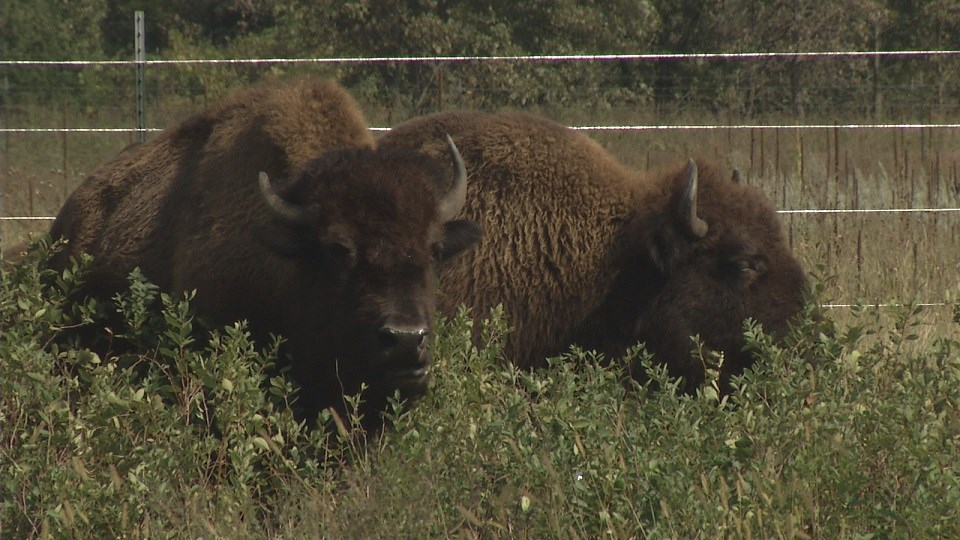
<point x="358" y="234"/>
<point x="715" y="263"/>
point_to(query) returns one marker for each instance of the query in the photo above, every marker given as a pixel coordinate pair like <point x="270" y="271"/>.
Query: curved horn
<point x="688" y="204"/>
<point x="451" y="203"/>
<point x="281" y="208"/>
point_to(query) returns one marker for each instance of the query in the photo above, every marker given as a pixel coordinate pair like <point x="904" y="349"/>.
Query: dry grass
<point x="868" y="257"/>
<point x="874" y="258"/>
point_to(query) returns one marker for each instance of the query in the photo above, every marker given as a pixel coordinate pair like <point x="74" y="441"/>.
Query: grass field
<point x="851" y="433"/>
<point x="874" y="258"/>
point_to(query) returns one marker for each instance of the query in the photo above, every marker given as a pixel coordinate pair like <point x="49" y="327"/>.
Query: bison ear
<point x="664" y="248"/>
<point x="457" y="236"/>
<point x="285" y="240"/>
<point x="669" y="241"/>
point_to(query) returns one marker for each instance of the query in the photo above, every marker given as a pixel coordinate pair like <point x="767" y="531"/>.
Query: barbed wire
<point x="505" y="58"/>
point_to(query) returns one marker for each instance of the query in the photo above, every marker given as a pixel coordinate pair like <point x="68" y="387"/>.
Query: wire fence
<point x="781" y="55"/>
<point x="661" y="127"/>
<point x="871" y="211"/>
<point x="833" y="164"/>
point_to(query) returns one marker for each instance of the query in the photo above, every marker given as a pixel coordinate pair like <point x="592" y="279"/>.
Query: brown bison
<point x="276" y="208"/>
<point x="582" y="250"/>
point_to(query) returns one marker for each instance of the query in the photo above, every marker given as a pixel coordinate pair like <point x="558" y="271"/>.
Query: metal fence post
<point x="6" y="153"/>
<point x="140" y="57"/>
<point x="3" y="246"/>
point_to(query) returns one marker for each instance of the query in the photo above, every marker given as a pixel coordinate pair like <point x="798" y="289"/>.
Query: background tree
<point x="48" y="30"/>
<point x="176" y="29"/>
<point x="432" y="27"/>
<point x="752" y="86"/>
<point x="923" y="25"/>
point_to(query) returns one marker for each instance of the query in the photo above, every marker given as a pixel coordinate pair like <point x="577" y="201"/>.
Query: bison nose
<point x="403" y="342"/>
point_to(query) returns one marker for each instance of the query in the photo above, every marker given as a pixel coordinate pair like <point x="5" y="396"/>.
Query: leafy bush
<point x="136" y="443"/>
<point x="865" y="443"/>
<point x="836" y="432"/>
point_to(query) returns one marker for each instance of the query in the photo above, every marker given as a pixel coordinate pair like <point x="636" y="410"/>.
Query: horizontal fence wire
<point x="76" y="130"/>
<point x="663" y="127"/>
<point x="516" y="58"/>
<point x="870" y="211"/>
<point x="810" y="211"/>
<point x="885" y="305"/>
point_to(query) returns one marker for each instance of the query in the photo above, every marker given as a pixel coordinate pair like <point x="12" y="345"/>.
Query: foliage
<point x="429" y="27"/>
<point x="137" y="443"/>
<point x="41" y="29"/>
<point x="828" y="437"/>
<point x="759" y="85"/>
<point x="49" y="30"/>
<point x="837" y="432"/>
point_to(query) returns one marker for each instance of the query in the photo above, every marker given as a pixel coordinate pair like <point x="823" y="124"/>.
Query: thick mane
<point x="213" y="155"/>
<point x="301" y="119"/>
<point x="380" y="191"/>
<point x="551" y="201"/>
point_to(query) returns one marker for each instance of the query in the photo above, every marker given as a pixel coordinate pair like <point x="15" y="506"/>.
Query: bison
<point x="580" y="249"/>
<point x="276" y="207"/>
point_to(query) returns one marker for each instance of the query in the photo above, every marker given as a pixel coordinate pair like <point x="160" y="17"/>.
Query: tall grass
<point x="840" y="431"/>
<point x="876" y="258"/>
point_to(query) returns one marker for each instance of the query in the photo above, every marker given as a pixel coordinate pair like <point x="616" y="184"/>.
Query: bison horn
<point x="451" y="203"/>
<point x="280" y="207"/>
<point x="688" y="205"/>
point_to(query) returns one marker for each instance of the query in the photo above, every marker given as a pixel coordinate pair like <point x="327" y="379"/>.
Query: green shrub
<point x="837" y="432"/>
<point x="828" y="436"/>
<point x="139" y="443"/>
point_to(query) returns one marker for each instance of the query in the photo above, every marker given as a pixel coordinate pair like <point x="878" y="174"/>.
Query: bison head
<point x="717" y="256"/>
<point x="357" y="235"/>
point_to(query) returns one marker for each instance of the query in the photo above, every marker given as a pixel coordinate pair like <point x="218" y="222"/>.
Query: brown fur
<point x="186" y="208"/>
<point x="580" y="249"/>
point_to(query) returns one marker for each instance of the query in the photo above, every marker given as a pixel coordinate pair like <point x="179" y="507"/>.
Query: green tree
<point x="49" y="30"/>
<point x="214" y="21"/>
<point x="794" y="84"/>
<point x="432" y="27"/>
<point x="923" y="25"/>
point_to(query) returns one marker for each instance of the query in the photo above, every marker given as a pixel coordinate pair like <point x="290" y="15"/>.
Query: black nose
<point x="404" y="342"/>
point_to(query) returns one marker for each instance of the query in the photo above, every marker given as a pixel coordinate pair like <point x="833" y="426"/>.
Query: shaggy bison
<point x="275" y="206"/>
<point x="580" y="249"/>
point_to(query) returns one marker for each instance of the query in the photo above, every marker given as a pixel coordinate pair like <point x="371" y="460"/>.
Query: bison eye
<point x="337" y="256"/>
<point x="746" y="270"/>
<point x="436" y="251"/>
<point x="332" y="257"/>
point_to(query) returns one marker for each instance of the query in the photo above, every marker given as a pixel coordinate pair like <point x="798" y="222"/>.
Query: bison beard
<point x="277" y="209"/>
<point x="582" y="250"/>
